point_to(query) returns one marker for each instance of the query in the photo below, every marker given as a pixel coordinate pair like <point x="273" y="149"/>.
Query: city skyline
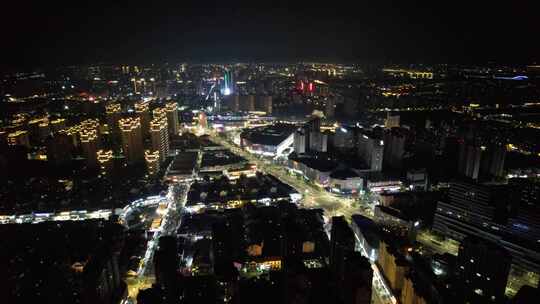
<point x="382" y="32"/>
<point x="302" y="153"/>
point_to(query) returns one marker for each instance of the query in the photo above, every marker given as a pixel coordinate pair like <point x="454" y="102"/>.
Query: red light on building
<point x="311" y="86"/>
<point x="301" y="85"/>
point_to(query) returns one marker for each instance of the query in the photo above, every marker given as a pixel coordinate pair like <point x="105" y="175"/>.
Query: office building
<point x="143" y="112"/>
<point x="152" y="162"/>
<point x="132" y="144"/>
<point x="89" y="145"/>
<point x="159" y="135"/>
<point x="19" y="138"/>
<point x="172" y="117"/>
<point x="488" y="213"/>
<point x="483" y="267"/>
<point x="525" y="223"/>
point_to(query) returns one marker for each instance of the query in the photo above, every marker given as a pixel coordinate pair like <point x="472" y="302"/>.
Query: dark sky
<point x="36" y="33"/>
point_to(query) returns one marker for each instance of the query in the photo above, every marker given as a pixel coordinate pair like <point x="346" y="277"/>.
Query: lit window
<point x="478" y="291"/>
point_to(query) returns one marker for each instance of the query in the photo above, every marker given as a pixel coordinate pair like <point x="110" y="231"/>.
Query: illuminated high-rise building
<point x="228" y="83"/>
<point x="113" y="111"/>
<point x="132" y="143"/>
<point x="105" y="161"/>
<point x="57" y="124"/>
<point x="19" y="138"/>
<point x="73" y="134"/>
<point x="89" y="144"/>
<point x="172" y="117"/>
<point x="142" y="110"/>
<point x="152" y="162"/>
<point x="90" y="124"/>
<point x="159" y="113"/>
<point x="159" y="134"/>
<point x="139" y="85"/>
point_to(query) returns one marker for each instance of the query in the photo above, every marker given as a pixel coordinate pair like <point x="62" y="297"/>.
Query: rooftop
<point x="316" y="162"/>
<point x="271" y="135"/>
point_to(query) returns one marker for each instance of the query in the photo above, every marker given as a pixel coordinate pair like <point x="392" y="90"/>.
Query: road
<point x="171" y="218"/>
<point x="315" y="197"/>
<point x="436" y="245"/>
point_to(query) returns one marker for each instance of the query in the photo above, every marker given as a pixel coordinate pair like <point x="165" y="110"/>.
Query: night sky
<point x="49" y="33"/>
